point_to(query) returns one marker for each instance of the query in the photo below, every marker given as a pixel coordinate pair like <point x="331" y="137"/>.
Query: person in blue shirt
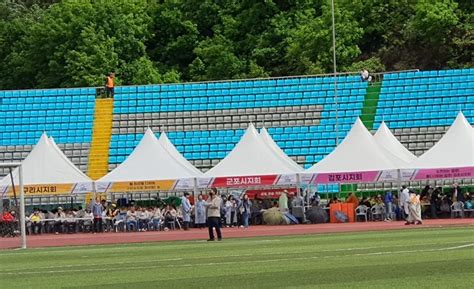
<point x="388" y="200"/>
<point x="186" y="210"/>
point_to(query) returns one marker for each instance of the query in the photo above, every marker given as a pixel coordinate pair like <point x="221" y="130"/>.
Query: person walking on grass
<point x="213" y="205"/>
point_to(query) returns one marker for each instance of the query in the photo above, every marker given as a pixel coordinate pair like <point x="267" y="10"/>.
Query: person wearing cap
<point x="110" y="215"/>
<point x="213" y="205"/>
<point x="186" y="210"/>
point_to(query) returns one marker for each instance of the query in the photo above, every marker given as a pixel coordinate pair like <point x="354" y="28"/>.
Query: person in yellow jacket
<point x="35" y="220"/>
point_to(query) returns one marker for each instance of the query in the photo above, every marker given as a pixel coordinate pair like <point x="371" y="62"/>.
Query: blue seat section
<point x="313" y="142"/>
<point x="310" y="142"/>
<point x="65" y="114"/>
<point x="425" y="98"/>
<point x="238" y="94"/>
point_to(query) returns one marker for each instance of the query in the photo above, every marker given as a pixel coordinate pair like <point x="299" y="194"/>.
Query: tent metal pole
<point x="195" y="188"/>
<point x="13" y="187"/>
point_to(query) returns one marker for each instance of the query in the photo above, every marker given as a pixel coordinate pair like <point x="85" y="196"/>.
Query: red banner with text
<point x="247" y="181"/>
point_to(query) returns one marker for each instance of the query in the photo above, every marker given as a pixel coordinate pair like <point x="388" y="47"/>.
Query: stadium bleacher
<point x="65" y="114"/>
<point x="420" y="106"/>
<point x="205" y="120"/>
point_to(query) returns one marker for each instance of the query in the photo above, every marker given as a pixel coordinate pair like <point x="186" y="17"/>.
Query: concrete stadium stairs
<point x="101" y="134"/>
<point x="370" y="104"/>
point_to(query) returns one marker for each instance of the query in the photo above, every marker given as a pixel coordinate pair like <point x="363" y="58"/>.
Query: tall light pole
<point x="336" y="102"/>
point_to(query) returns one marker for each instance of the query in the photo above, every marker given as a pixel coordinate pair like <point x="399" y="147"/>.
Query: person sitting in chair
<point x="170" y="216"/>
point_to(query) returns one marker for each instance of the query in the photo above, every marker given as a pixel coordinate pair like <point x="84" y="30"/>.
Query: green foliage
<point x="372" y="64"/>
<point x="64" y="43"/>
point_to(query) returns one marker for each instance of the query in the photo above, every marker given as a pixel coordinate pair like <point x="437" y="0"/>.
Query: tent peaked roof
<point x="46" y="164"/>
<point x="390" y="144"/>
<point x="268" y="140"/>
<point x="149" y="161"/>
<point x="454" y="149"/>
<point x="171" y="149"/>
<point x="251" y="156"/>
<point x="358" y="152"/>
<point x="66" y="159"/>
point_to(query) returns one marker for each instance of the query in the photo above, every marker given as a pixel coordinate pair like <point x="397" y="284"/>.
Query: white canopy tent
<point x="268" y="140"/>
<point x="358" y="152"/>
<point x="150" y="161"/>
<point x="45" y="165"/>
<point x="390" y="144"/>
<point x="454" y="149"/>
<point x="171" y="149"/>
<point x="250" y="157"/>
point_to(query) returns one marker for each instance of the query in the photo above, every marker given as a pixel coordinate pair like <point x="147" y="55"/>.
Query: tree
<point x="64" y="43"/>
<point x="76" y="43"/>
<point x="310" y="49"/>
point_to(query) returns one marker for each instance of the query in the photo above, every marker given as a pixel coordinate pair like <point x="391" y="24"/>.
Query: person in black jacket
<point x="434" y="202"/>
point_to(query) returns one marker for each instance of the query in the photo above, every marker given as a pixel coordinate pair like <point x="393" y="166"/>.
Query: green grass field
<point x="420" y="258"/>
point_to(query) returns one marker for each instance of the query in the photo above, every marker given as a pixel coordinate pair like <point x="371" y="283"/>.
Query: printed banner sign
<point x="446" y="173"/>
<point x="306" y="178"/>
<point x="388" y="176"/>
<point x="82" y="188"/>
<point x="247" y="181"/>
<point x="141" y="186"/>
<point x="352" y="177"/>
<point x="287" y="180"/>
<point x="38" y="190"/>
<point x="270" y="193"/>
<point x="392" y="175"/>
<point x="184" y="184"/>
<point x="204" y="183"/>
<point x="102" y="187"/>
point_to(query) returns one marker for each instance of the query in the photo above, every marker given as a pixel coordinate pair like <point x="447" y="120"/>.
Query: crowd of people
<point x="412" y="206"/>
<point x="217" y="211"/>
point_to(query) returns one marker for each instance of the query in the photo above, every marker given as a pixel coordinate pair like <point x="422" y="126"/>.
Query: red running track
<point x="50" y="240"/>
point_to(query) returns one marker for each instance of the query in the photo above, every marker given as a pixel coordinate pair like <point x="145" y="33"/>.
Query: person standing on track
<point x="214" y="215"/>
<point x="97" y="210"/>
<point x="200" y="213"/>
<point x="186" y="210"/>
<point x="403" y="200"/>
<point x="414" y="209"/>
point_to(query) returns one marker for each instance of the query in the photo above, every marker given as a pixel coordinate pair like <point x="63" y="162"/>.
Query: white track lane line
<point x="236" y="262"/>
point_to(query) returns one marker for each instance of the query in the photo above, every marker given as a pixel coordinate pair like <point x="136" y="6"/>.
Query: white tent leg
<point x="22" y="209"/>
